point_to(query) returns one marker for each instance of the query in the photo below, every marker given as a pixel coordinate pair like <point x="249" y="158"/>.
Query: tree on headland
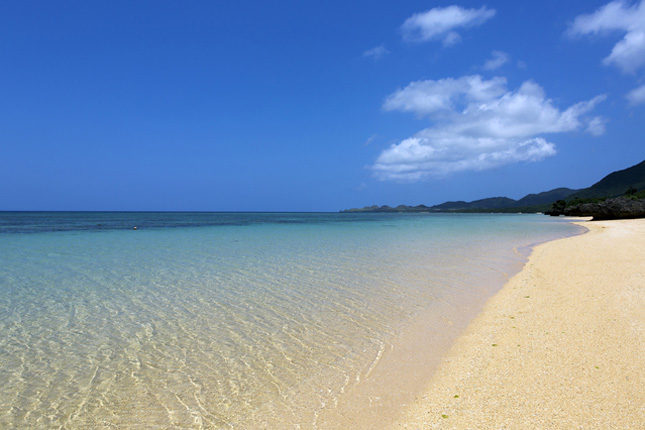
<point x="631" y="191"/>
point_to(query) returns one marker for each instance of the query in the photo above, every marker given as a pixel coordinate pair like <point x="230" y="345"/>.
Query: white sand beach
<point x="561" y="346"/>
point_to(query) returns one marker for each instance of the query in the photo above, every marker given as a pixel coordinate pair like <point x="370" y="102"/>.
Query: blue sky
<point x="313" y="105"/>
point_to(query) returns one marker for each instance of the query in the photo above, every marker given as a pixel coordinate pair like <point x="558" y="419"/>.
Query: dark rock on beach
<point x="616" y="208"/>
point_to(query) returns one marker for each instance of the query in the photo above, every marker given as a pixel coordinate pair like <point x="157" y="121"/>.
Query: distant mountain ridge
<point x="613" y="185"/>
<point x="489" y="203"/>
<point x="543" y="198"/>
<point x="531" y="202"/>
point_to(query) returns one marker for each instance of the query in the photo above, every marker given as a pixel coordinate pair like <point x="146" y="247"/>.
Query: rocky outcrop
<point x="617" y="208"/>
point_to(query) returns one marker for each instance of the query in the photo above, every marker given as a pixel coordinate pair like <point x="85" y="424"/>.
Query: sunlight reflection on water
<point x="254" y="324"/>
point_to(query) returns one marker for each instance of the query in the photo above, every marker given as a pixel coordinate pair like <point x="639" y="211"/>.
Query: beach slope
<point x="561" y="346"/>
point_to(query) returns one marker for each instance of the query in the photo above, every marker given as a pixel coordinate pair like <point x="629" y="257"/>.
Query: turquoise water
<point x="231" y="320"/>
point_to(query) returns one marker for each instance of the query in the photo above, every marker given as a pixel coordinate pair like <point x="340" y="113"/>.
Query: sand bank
<point x="561" y="346"/>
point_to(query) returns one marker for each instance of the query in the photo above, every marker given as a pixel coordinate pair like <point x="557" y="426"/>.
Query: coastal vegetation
<point x="620" y="194"/>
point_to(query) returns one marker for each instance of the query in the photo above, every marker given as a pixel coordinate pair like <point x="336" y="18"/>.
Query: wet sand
<point x="561" y="346"/>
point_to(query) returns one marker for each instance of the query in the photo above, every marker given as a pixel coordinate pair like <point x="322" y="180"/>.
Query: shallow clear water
<point x="228" y="320"/>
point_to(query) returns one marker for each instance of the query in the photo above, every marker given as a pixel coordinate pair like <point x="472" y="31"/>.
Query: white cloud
<point x="596" y="126"/>
<point x="452" y="38"/>
<point x="376" y="53"/>
<point x="478" y="124"/>
<point x="629" y="53"/>
<point x="498" y="60"/>
<point x="428" y="97"/>
<point x="636" y="96"/>
<point x="440" y="23"/>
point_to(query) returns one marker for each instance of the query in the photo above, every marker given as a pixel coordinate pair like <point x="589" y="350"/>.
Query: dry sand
<point x="561" y="346"/>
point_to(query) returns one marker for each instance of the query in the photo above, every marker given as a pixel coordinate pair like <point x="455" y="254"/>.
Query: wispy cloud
<point x="596" y="126"/>
<point x="478" y="124"/>
<point x="636" y="96"/>
<point x="498" y="59"/>
<point x="371" y="139"/>
<point x="361" y="187"/>
<point x="629" y="53"/>
<point x="376" y="53"/>
<point x="440" y="23"/>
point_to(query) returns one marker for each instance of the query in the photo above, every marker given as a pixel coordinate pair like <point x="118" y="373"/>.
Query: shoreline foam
<point x="562" y="345"/>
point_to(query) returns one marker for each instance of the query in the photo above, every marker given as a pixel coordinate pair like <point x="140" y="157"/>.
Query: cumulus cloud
<point x="636" y="96"/>
<point x="478" y="124"/>
<point x="629" y="53"/>
<point x="376" y="53"/>
<point x="444" y="95"/>
<point x="440" y="23"/>
<point x="498" y="59"/>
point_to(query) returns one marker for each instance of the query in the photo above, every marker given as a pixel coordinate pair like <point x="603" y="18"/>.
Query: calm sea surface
<point x="223" y="320"/>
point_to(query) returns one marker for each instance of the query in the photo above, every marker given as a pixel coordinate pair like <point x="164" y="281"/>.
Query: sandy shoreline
<point x="561" y="346"/>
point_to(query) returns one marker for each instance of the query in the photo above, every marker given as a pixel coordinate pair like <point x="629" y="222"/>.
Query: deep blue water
<point x="41" y="222"/>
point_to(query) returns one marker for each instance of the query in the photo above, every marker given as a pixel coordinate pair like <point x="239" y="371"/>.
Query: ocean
<point x="239" y="320"/>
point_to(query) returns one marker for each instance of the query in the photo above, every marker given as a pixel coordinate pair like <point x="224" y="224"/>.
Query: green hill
<point x="530" y="203"/>
<point x="490" y="203"/>
<point x="615" y="184"/>
<point x="545" y="198"/>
